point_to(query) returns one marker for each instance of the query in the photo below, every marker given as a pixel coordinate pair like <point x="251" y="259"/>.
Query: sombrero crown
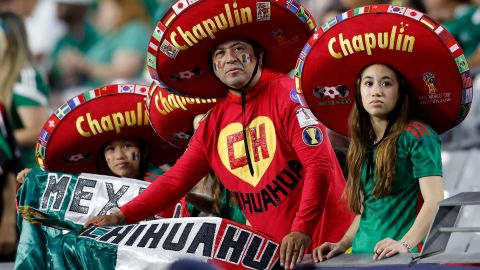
<point x="72" y="138"/>
<point x="429" y="58"/>
<point x="171" y="116"/>
<point x="180" y="45"/>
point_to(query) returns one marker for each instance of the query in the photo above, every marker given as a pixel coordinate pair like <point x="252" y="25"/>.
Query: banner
<point x="65" y="202"/>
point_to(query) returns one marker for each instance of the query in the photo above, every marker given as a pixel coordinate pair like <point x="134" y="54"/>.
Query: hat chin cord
<point x="242" y="90"/>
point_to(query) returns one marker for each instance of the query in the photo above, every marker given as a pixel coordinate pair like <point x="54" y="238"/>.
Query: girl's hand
<point x="387" y="248"/>
<point x="22" y="175"/>
<point x="327" y="250"/>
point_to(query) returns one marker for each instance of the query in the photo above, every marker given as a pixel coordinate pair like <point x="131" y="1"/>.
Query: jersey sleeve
<point x="425" y="150"/>
<point x="171" y="186"/>
<point x="133" y="36"/>
<point x="30" y="90"/>
<point x="309" y="139"/>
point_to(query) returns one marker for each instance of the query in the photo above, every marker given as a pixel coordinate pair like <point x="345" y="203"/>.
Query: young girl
<point x="398" y="93"/>
<point x="391" y="159"/>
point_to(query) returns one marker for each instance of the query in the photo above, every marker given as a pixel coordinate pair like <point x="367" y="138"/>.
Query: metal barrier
<point x="445" y="223"/>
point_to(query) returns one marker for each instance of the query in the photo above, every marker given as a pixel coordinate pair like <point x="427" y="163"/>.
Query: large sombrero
<point x="430" y="59"/>
<point x="178" y="53"/>
<point x="171" y="116"/>
<point x="73" y="136"/>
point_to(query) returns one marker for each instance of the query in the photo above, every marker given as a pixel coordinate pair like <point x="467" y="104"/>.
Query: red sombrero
<point x="74" y="134"/>
<point x="180" y="45"/>
<point x="430" y="59"/>
<point x="171" y="116"/>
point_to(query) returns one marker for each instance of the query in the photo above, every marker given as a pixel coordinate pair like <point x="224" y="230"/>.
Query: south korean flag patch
<point x="305" y="117"/>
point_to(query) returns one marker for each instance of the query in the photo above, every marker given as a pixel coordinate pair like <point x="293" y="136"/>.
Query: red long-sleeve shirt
<point x="297" y="182"/>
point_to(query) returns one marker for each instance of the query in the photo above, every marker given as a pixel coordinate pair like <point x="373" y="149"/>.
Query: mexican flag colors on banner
<point x="54" y="206"/>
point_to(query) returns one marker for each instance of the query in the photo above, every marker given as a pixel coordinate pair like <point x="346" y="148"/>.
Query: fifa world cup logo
<point x="429" y="79"/>
<point x="312" y="132"/>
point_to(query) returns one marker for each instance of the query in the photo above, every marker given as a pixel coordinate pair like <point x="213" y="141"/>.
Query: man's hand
<point x="116" y="218"/>
<point x="327" y="250"/>
<point x="293" y="248"/>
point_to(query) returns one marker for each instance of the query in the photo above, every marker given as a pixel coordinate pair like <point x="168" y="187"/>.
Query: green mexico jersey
<point x="152" y="172"/>
<point x="29" y="91"/>
<point x="418" y="155"/>
<point x="131" y="37"/>
<point x="72" y="42"/>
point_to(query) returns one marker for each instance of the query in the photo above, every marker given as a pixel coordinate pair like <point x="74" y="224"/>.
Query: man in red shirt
<point x="284" y="176"/>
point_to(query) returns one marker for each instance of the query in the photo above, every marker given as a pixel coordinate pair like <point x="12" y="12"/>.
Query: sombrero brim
<point x="429" y="58"/>
<point x="74" y="134"/>
<point x="171" y="116"/>
<point x="180" y="45"/>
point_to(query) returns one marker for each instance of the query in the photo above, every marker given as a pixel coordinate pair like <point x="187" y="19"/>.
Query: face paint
<point x="246" y="58"/>
<point x="134" y="155"/>
<point x="218" y="65"/>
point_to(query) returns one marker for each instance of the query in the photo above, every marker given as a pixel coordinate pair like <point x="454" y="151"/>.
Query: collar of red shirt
<point x="267" y="76"/>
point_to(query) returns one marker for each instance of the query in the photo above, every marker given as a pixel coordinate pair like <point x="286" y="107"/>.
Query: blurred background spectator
<point x="119" y="54"/>
<point x="43" y="27"/>
<point x="157" y="8"/>
<point x="23" y="90"/>
<point x="461" y="18"/>
<point x="81" y="35"/>
<point x="21" y="7"/>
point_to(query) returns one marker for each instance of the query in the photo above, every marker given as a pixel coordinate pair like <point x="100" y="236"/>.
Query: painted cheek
<point x="218" y="65"/>
<point x="246" y="58"/>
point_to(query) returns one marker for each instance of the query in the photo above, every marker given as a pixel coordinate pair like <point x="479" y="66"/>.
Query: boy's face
<point x="123" y="157"/>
